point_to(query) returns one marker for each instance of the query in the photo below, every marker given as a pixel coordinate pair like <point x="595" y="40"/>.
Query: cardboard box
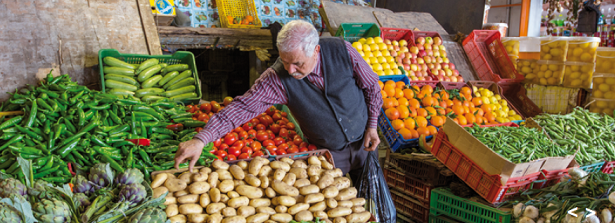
<point x="163" y="7"/>
<point x="484" y="157"/>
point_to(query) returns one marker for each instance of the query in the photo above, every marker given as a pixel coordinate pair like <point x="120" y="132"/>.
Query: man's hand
<point x="371" y="135"/>
<point x="191" y="150"/>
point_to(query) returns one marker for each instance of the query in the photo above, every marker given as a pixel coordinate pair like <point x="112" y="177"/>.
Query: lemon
<point x="362" y="40"/>
<point x="374" y="47"/>
<point x="373" y="60"/>
<point x="530" y="76"/>
<point x="361" y="53"/>
<point x="512" y="112"/>
<point x="369" y="40"/>
<point x="380" y="73"/>
<point x="547" y="57"/>
<point x="598" y="94"/>
<point x="504" y="103"/>
<point x="388" y="71"/>
<point x="604" y="87"/>
<point x="553" y="81"/>
<point x="500" y="120"/>
<point x="493" y="100"/>
<point x="381" y="45"/>
<point x="477" y="94"/>
<point x="485" y="100"/>
<point x="381" y="59"/>
<point x="548" y="74"/>
<point x="576" y="83"/>
<point x="386" y="66"/>
<point x="366" y="47"/>
<point x="393" y="65"/>
<point x="608" y="95"/>
<point x="377" y="66"/>
<point x="366" y="60"/>
<point x="358" y="46"/>
<point x="497" y="96"/>
<point x="610" y="80"/>
<point x="377" y="53"/>
<point x="526" y="70"/>
<point x="505" y="109"/>
<point x="368" y="53"/>
<point x="377" y="39"/>
<point x="515" y="117"/>
<point x="385" y="52"/>
<point x="598" y="80"/>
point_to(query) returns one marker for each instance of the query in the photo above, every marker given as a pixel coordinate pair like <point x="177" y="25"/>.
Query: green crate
<point x="441" y="219"/>
<point x="592" y="168"/>
<point x="352" y="32"/>
<point x="443" y="202"/>
<point x="184" y="57"/>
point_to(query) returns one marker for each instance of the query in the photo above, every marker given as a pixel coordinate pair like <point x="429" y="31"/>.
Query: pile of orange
<point x="411" y="108"/>
<point x="246" y="20"/>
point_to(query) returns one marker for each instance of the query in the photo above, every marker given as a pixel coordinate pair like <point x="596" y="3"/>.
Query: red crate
<point x="409" y="207"/>
<point x="509" y="124"/>
<point x="515" y="93"/>
<point x="451" y="85"/>
<point x="489" y="58"/>
<point x="411" y="186"/>
<point x="608" y="167"/>
<point x="495" y="88"/>
<point x="550" y="178"/>
<point x="397" y="34"/>
<point x="433" y="84"/>
<point x="487" y="186"/>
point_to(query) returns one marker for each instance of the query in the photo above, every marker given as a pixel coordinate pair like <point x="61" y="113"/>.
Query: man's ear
<point x="317" y="49"/>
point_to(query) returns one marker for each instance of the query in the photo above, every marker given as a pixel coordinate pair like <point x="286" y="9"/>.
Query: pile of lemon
<point x="377" y="55"/>
<point x="496" y="104"/>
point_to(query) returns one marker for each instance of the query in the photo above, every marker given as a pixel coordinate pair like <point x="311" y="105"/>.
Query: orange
<point x="458" y="109"/>
<point x="397" y="124"/>
<point x="390" y="83"/>
<point x="466" y="109"/>
<point x="403" y="102"/>
<point x="399" y="93"/>
<point x="423" y="131"/>
<point x="441" y="111"/>
<point x="489" y="117"/>
<point x="479" y="119"/>
<point x="388" y="103"/>
<point x="413" y="112"/>
<point x="249" y="18"/>
<point x="415" y="134"/>
<point x="480" y="112"/>
<point x="465" y="90"/>
<point x="384" y="94"/>
<point x="414" y="103"/>
<point x="465" y="103"/>
<point x="392" y="113"/>
<point x="438" y="120"/>
<point x="408" y="93"/>
<point x="406" y="133"/>
<point x="431" y="111"/>
<point x="409" y="123"/>
<point x="468" y="96"/>
<point x="422" y="112"/>
<point x="390" y="90"/>
<point x="436" y="96"/>
<point x="416" y="88"/>
<point x="443" y="104"/>
<point x="462" y="120"/>
<point x="444" y="95"/>
<point x="230" y="19"/>
<point x="470" y="118"/>
<point x="422" y="94"/>
<point x="421" y="121"/>
<point x="395" y="102"/>
<point x="427" y="88"/>
<point x="403" y="112"/>
<point x="427" y="101"/>
<point x="449" y="103"/>
<point x="432" y="130"/>
<point x="400" y="84"/>
<point x="381" y="85"/>
<point x="486" y="108"/>
<point x="456" y="102"/>
<point x="477" y="101"/>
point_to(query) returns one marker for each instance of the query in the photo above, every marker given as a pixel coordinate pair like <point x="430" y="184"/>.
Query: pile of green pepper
<point x="66" y="122"/>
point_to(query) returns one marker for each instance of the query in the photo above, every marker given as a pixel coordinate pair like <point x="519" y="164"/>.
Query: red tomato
<point x="281" y="152"/>
<point x="221" y="153"/>
<point x="271" y="110"/>
<point x="276" y="117"/>
<point x="193" y="118"/>
<point x="239" y="144"/>
<point x="217" y="143"/>
<point x="243" y="135"/>
<point x="206" y="107"/>
<point x="290" y="126"/>
<point x="311" y="147"/>
<point x="285" y="119"/>
<point x="262" y="136"/>
<point x="223" y="146"/>
<point x="256" y="146"/>
<point x="283" y="133"/>
<point x="284" y="114"/>
<point x="231" y="157"/>
<point x="292" y="134"/>
<point x="252" y="133"/>
<point x="188" y="107"/>
<point x="263" y="120"/>
<point x="303" y="149"/>
<point x="272" y="147"/>
<point x="278" y="141"/>
<point x="283" y="146"/>
<point x="268" y="142"/>
<point x="258" y="153"/>
<point x="202" y="117"/>
<point x="229" y="139"/>
<point x="244" y="156"/>
<point x="234" y="151"/>
<point x="255" y="121"/>
<point x="275" y="128"/>
<point x="249" y="142"/>
<point x="215" y="107"/>
<point x="248" y="126"/>
<point x="303" y="144"/>
<point x="260" y="127"/>
<point x="247" y="150"/>
<point x="198" y="129"/>
<point x="271" y="135"/>
<point x="297" y="140"/>
<point x="293" y="150"/>
<point x="238" y="129"/>
<point x="220" y="158"/>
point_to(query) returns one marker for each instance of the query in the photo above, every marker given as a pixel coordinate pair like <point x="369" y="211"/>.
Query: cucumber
<point x="182" y="83"/>
<point x="118" y="70"/>
<point x="152" y="98"/>
<point x="149" y="72"/>
<point x="168" y="77"/>
<point x="151" y="81"/>
<point x="164" y="65"/>
<point x="122" y="78"/>
<point x="183" y="96"/>
<point x="149" y="91"/>
<point x="179" y="77"/>
<point x="146" y="64"/>
<point x="114" y="62"/>
<point x="175" y="67"/>
<point x="117" y="91"/>
<point x="120" y="85"/>
<point x="182" y="90"/>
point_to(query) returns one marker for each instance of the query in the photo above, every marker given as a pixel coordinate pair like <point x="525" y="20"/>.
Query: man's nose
<point x="291" y="69"/>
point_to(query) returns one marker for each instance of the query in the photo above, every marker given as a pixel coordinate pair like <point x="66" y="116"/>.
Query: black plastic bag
<point x="373" y="187"/>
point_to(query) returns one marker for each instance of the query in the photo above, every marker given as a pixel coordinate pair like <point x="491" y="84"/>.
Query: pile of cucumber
<point x="154" y="80"/>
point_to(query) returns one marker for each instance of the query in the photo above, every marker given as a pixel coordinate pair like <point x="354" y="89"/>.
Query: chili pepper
<point x="29" y="133"/>
<point x="43" y="96"/>
<point x="39" y="163"/>
<point x="74" y="99"/>
<point x="145" y="157"/>
<point x="133" y="123"/>
<point x="71" y="159"/>
<point x="28" y="141"/>
<point x="50" y="93"/>
<point x="69" y="126"/>
<point x="10" y="130"/>
<point x="180" y="120"/>
<point x="90" y="126"/>
<point x="47" y="127"/>
<point x="126" y="102"/>
<point x="78" y="156"/>
<point x="161" y="149"/>
<point x="118" y="129"/>
<point x="101" y="133"/>
<point x="188" y="136"/>
<point x="119" y="134"/>
<point x="193" y="123"/>
<point x="19" y="101"/>
<point x="114" y="140"/>
<point x="107" y="129"/>
<point x="60" y="180"/>
<point x="185" y="131"/>
<point x="63" y="167"/>
<point x="123" y="143"/>
<point x="156" y="124"/>
<point x="53" y="104"/>
<point x="161" y="136"/>
<point x="164" y="104"/>
<point x="26" y="150"/>
<point x="90" y="114"/>
<point x="182" y="115"/>
<point x="143" y="130"/>
<point x="9" y="164"/>
<point x="64" y="96"/>
<point x="147" y="110"/>
<point x="54" y="80"/>
<point x="15" y="139"/>
<point x="44" y="104"/>
<point x="122" y="113"/>
<point x="32" y="116"/>
<point x="102" y="151"/>
<point x="130" y="158"/>
<point x="81" y="115"/>
<point x="7" y="136"/>
<point x="114" y="117"/>
<point x="162" y="130"/>
<point x="46" y="172"/>
<point x="68" y="147"/>
<point x="113" y="164"/>
<point x="102" y="107"/>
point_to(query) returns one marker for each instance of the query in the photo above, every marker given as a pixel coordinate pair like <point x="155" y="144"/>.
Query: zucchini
<point x="114" y="62"/>
<point x="122" y="78"/>
<point x="149" y="91"/>
<point x="182" y="83"/>
<point x="164" y="65"/>
<point x="146" y="64"/>
<point x="183" y="96"/>
<point x="117" y="91"/>
<point x="175" y="67"/>
<point x="168" y="77"/>
<point x="182" y="90"/>
<point x="152" y="98"/>
<point x="151" y="81"/>
<point x="120" y="85"/>
<point x="180" y="77"/>
<point x="118" y="70"/>
<point x="149" y="72"/>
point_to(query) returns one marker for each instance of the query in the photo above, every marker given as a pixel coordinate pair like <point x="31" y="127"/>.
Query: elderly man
<point x="336" y="106"/>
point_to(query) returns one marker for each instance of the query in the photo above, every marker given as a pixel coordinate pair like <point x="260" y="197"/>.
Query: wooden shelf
<point x="206" y="38"/>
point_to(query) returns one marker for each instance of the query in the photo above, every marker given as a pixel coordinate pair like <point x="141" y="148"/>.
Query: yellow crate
<point x="238" y="8"/>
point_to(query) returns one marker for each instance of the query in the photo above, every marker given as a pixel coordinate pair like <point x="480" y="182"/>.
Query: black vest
<point x="337" y="116"/>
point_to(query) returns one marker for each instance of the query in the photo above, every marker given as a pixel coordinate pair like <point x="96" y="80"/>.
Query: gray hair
<point x="298" y="34"/>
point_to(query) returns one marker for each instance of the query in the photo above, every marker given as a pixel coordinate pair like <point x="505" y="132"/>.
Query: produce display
<point x="154" y="80"/>
<point x="553" y="48"/>
<point x="244" y="20"/>
<point x="491" y="106"/>
<point x="582" y="49"/>
<point x="431" y="56"/>
<point x="261" y="190"/>
<point x="379" y="55"/>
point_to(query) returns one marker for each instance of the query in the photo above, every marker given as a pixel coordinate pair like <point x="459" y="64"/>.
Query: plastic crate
<point x="487" y="186"/>
<point x="424" y="34"/>
<point x="178" y="57"/>
<point x="441" y="219"/>
<point x="489" y="58"/>
<point x="395" y="140"/>
<point x="397" y="34"/>
<point x="415" y="209"/>
<point x="395" y="78"/>
<point x="516" y="96"/>
<point x="433" y="84"/>
<point x="495" y="88"/>
<point x="430" y="175"/>
<point x="451" y="85"/>
<point x="352" y="32"/>
<point x="411" y="186"/>
<point x="443" y="202"/>
<point x="608" y="167"/>
<point x="550" y="178"/>
<point x="238" y="8"/>
<point x="593" y="168"/>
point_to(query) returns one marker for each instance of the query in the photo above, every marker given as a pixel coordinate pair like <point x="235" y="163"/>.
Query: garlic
<point x="531" y="212"/>
<point x="606" y="215"/>
<point x="526" y="220"/>
<point x="577" y="173"/>
<point x="612" y="197"/>
<point x="592" y="219"/>
<point x="541" y="220"/>
<point x="549" y="214"/>
<point x="518" y="209"/>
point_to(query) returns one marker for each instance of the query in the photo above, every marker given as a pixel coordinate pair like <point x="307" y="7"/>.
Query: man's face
<point x="297" y="64"/>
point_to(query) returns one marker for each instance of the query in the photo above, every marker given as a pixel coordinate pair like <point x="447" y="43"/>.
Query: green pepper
<point x="59" y="180"/>
<point x="74" y="99"/>
<point x="188" y="136"/>
<point x="193" y="123"/>
<point x="147" y="110"/>
<point x="44" y="104"/>
<point x="182" y="115"/>
<point x="69" y="126"/>
<point x="162" y="130"/>
<point x="130" y="158"/>
<point x="64" y="151"/>
<point x="145" y="157"/>
<point x="114" y="117"/>
<point x="46" y="172"/>
<point x="114" y="140"/>
<point x="30" y="133"/>
<point x="90" y="114"/>
<point x="151" y="149"/>
<point x="32" y="116"/>
<point x="143" y="130"/>
<point x="47" y="127"/>
<point x="101" y="107"/>
<point x="81" y="115"/>
<point x="123" y="143"/>
<point x="99" y="142"/>
<point x="15" y="139"/>
<point x="113" y="163"/>
<point x="26" y="150"/>
<point x="101" y="151"/>
<point x="122" y="128"/>
<point x="53" y="104"/>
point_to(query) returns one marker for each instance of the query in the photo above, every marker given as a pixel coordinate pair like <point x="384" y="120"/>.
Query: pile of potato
<point x="262" y="191"/>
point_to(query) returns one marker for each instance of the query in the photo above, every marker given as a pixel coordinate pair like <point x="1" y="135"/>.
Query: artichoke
<point x="81" y="201"/>
<point x="130" y="176"/>
<point x="101" y="175"/>
<point x="149" y="215"/>
<point x="82" y="185"/>
<point x="132" y="194"/>
<point x="10" y="214"/>
<point x="51" y="210"/>
<point x="10" y="187"/>
<point x="40" y="191"/>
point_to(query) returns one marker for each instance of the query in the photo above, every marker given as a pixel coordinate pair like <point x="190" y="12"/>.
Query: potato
<point x="302" y="183"/>
<point x="330" y="192"/>
<point x="237" y="172"/>
<point x="320" y="214"/>
<point x="325" y="181"/>
<point x="357" y="209"/>
<point x="330" y="172"/>
<point x="258" y="218"/>
<point x="232" y="194"/>
<point x="326" y="165"/>
<point x="260" y="202"/>
<point x="188" y="199"/>
<point x="341" y="183"/>
<point x="299" y="163"/>
<point x="204" y="200"/>
<point x="199" y="187"/>
<point x="175" y="185"/>
<point x="213" y="179"/>
<point x="265" y="171"/>
<point x="281" y="209"/>
<point x="172" y="210"/>
<point x="297" y="208"/>
<point x="290" y="178"/>
<point x="304" y="216"/>
<point x="234" y="219"/>
<point x="347" y="194"/>
<point x="313" y="160"/>
<point x="338" y="172"/>
<point x="243" y="165"/>
<point x="358" y="201"/>
<point x="282" y="217"/>
<point x="159" y="191"/>
<point x="314" y="170"/>
<point x="224" y="175"/>
<point x="309" y="189"/>
<point x="252" y="180"/>
<point x="214" y="208"/>
<point x="255" y="165"/>
<point x="279" y="174"/>
<point x="314" y="179"/>
<point x="186" y="177"/>
<point x="246" y="211"/>
<point x="171" y="176"/>
<point x="214" y="194"/>
<point x="214" y="218"/>
<point x="359" y="217"/>
<point x="265" y="210"/>
<point x="344" y="204"/>
<point x="313" y="198"/>
<point x="300" y="173"/>
<point x="249" y="191"/>
<point x="331" y="202"/>
<point x="199" y="177"/>
<point x="159" y="180"/>
<point x="170" y="200"/>
<point x="320" y="206"/>
<point x="228" y="211"/>
<point x="339" y="220"/>
<point x="276" y="165"/>
<point x="178" y="219"/>
<point x="326" y="220"/>
<point x="286" y="200"/>
<point x="220" y="165"/>
<point x="264" y="180"/>
<point x="190" y="209"/>
<point x="270" y="192"/>
<point x="321" y="158"/>
<point x="224" y="198"/>
<point x="237" y="183"/>
<point x="197" y="218"/>
<point x="287" y="160"/>
<point x="283" y="188"/>
<point x="226" y="186"/>
<point x="181" y="193"/>
<point x="339" y="212"/>
<point x="205" y="170"/>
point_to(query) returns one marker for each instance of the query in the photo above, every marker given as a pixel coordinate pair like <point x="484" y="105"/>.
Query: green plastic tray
<point x="178" y="57"/>
<point x="441" y="219"/>
<point x="443" y="202"/>
<point x="352" y="32"/>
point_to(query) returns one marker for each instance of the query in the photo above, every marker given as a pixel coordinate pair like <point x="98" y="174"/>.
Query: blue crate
<point x="395" y="140"/>
<point x="395" y="78"/>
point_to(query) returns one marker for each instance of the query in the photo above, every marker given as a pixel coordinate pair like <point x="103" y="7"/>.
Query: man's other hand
<point x="371" y="136"/>
<point x="189" y="150"/>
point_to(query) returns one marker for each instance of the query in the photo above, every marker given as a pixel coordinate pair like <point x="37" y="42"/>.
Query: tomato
<point x="273" y="153"/>
<point x="292" y="134"/>
<point x="256" y="146"/>
<point x="215" y="107"/>
<point x="247" y="150"/>
<point x="285" y="119"/>
<point x="268" y="142"/>
<point x="238" y="129"/>
<point x="303" y="144"/>
<point x="234" y="151"/>
<point x="217" y="143"/>
<point x="198" y="129"/>
<point x="281" y="122"/>
<point x="281" y="152"/>
<point x="260" y="127"/>
<point x="188" y="107"/>
<point x="283" y="133"/>
<point x="227" y="101"/>
<point x="311" y="147"/>
<point x="255" y="121"/>
<point x="252" y="133"/>
<point x="248" y="126"/>
<point x="293" y="150"/>
<point x="223" y="146"/>
<point x="244" y="156"/>
<point x="262" y="136"/>
<point x="239" y="144"/>
<point x="249" y="142"/>
<point x="276" y="117"/>
<point x="271" y="110"/>
<point x="258" y="153"/>
<point x="202" y="117"/>
<point x="193" y="118"/>
<point x="275" y="128"/>
<point x="278" y="141"/>
<point x="263" y="120"/>
<point x="303" y="149"/>
<point x="284" y="114"/>
<point x="290" y="126"/>
<point x="272" y="147"/>
<point x="219" y="158"/>
<point x="221" y="153"/>
<point x="206" y="107"/>
<point x="229" y="139"/>
<point x="271" y="135"/>
<point x="231" y="157"/>
<point x="297" y="140"/>
<point x="283" y="146"/>
<point x="243" y="135"/>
